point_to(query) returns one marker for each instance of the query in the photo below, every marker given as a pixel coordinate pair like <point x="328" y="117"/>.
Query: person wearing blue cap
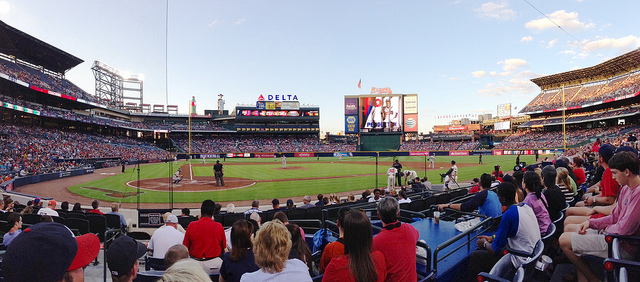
<point x="122" y="258"/>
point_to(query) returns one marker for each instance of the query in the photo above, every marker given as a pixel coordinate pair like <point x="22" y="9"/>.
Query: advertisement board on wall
<point x="351" y="124"/>
<point x="420" y="154"/>
<point x="410" y="104"/>
<point x="458" y="153"/>
<point x="303" y="155"/>
<point x="260" y="105"/>
<point x="504" y="125"/>
<point x="411" y="123"/>
<point x="270" y="105"/>
<point x="289" y="105"/>
<point x="381" y="114"/>
<point x="350" y="106"/>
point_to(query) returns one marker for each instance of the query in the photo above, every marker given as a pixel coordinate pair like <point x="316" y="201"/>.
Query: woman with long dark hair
<point x="536" y="200"/>
<point x="240" y="260"/>
<point x="360" y="263"/>
<point x="299" y="248"/>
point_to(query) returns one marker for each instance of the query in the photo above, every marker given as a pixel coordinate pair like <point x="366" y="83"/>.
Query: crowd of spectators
<point x="438" y="146"/>
<point x="27" y="150"/>
<point x="267" y="144"/>
<point x="587" y="94"/>
<point x="553" y="139"/>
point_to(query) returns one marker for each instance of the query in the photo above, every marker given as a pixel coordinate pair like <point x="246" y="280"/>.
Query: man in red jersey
<point x="397" y="241"/>
<point x="205" y="239"/>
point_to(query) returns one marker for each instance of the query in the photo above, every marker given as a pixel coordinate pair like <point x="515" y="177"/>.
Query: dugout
<point x="380" y="141"/>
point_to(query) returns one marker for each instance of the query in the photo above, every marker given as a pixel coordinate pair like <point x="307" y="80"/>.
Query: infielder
<point x="391" y="178"/>
<point x="409" y="175"/>
<point x="284" y="161"/>
<point x="432" y="161"/>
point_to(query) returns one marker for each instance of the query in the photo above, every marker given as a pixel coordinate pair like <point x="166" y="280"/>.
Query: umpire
<point x="218" y="173"/>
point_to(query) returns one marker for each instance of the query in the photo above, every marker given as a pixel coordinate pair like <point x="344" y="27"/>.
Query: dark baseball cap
<point x="45" y="251"/>
<point x="275" y="202"/>
<point x="627" y="149"/>
<point x="123" y="254"/>
<point x="606" y="151"/>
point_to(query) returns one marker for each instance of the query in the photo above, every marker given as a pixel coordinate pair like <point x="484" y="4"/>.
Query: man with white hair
<point x="307" y="203"/>
<point x="165" y="237"/>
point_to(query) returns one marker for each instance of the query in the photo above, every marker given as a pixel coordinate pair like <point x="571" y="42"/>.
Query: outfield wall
<point x="373" y="154"/>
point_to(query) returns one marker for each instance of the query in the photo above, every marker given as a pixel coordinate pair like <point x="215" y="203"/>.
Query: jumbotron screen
<point x="381" y="114"/>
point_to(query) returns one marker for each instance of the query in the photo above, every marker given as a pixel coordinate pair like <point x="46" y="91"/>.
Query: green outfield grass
<point x="313" y="179"/>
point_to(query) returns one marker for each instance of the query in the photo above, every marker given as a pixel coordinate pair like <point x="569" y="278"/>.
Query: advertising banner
<point x="344" y="154"/>
<point x="410" y="104"/>
<point x="270" y="105"/>
<point x="289" y="105"/>
<point x="350" y="106"/>
<point x="260" y="105"/>
<point x="263" y="155"/>
<point x="411" y="123"/>
<point x="497" y="152"/>
<point x="420" y="154"/>
<point x="303" y="155"/>
<point x="351" y="124"/>
<point x="458" y="153"/>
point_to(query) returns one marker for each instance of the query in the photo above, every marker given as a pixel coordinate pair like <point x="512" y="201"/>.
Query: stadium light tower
<point x="118" y="89"/>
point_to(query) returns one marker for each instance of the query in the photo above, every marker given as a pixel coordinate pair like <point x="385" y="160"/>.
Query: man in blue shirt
<point x="485" y="201"/>
<point x="518" y="228"/>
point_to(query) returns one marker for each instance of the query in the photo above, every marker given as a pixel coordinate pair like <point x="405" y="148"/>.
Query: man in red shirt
<point x="205" y="239"/>
<point x="397" y="241"/>
<point x="95" y="205"/>
<point x="607" y="197"/>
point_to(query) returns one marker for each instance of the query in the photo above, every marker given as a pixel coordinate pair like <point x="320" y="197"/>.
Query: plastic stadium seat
<point x="148" y="276"/>
<point x="31" y="218"/>
<point x="185" y="220"/>
<point x="58" y="219"/>
<point x="297" y="214"/>
<point x="82" y="225"/>
<point x="230" y="218"/>
<point x="77" y="215"/>
<point x="518" y="277"/>
<point x="443" y="198"/>
<point x="314" y="213"/>
<point x="97" y="225"/>
<point x="113" y="221"/>
<point x="417" y="205"/>
<point x="154" y="264"/>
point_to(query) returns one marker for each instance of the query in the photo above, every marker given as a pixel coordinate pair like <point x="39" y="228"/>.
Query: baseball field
<point x="256" y="178"/>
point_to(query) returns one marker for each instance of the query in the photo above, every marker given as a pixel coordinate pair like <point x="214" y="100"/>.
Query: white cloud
<point x="526" y="39"/>
<point x="562" y="18"/>
<point x="479" y="74"/>
<point x="622" y="43"/>
<point x="240" y="21"/>
<point x="496" y="11"/>
<point x="212" y="23"/>
<point x="575" y="68"/>
<point x="519" y="84"/>
<point x="5" y="7"/>
<point x="569" y="52"/>
<point x="492" y="73"/>
<point x="513" y="64"/>
<point x="551" y="43"/>
<point x="454" y="78"/>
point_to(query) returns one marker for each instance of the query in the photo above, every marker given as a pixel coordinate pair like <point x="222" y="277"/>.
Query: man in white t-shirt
<point x="165" y="237"/>
<point x="49" y="210"/>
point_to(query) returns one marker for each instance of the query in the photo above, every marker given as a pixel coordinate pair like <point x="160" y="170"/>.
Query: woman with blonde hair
<point x="564" y="183"/>
<point x="271" y="248"/>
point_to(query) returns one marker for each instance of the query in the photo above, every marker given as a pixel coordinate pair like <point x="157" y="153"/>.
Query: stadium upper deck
<point x="614" y="80"/>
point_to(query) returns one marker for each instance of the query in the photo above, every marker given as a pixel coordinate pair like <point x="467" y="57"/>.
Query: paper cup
<point x="436" y="216"/>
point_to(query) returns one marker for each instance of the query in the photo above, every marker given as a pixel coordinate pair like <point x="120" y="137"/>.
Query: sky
<point x="460" y="57"/>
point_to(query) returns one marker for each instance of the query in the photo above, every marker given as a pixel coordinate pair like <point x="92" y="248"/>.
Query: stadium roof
<point x="619" y="65"/>
<point x="32" y="50"/>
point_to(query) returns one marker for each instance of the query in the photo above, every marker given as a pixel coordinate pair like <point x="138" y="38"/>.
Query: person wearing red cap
<point x="24" y="259"/>
<point x="49" y="210"/>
